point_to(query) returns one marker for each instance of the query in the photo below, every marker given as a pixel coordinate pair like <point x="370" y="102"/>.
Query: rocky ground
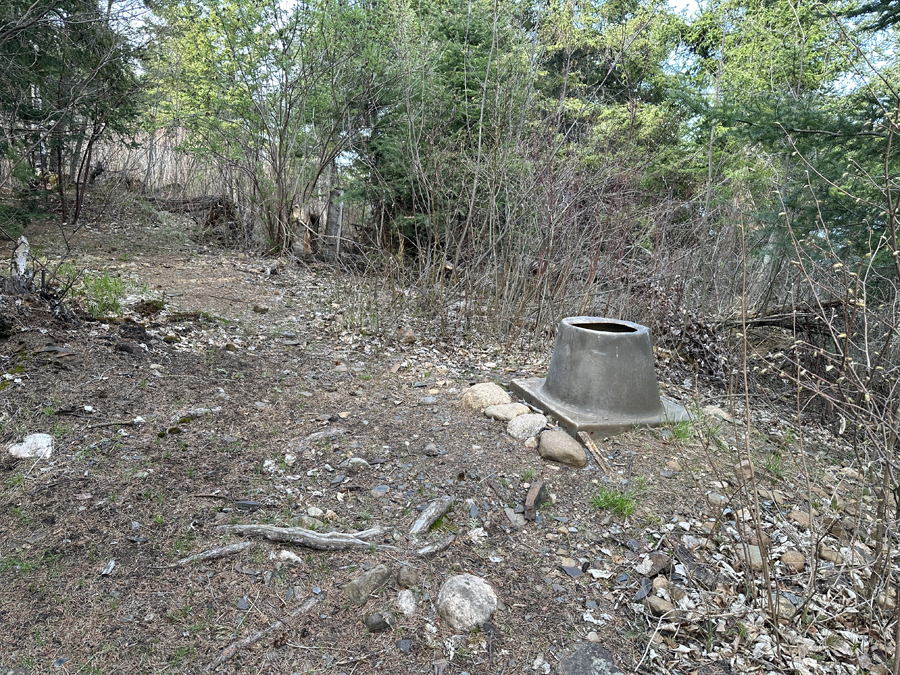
<point x="231" y="397"/>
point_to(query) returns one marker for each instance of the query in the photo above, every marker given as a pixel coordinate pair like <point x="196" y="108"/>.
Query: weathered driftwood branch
<point x="321" y="541"/>
<point x="235" y="647"/>
<point x="436" y="547"/>
<point x="430" y="515"/>
<point x="219" y="552"/>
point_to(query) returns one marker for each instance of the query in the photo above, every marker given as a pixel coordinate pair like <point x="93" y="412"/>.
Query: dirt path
<point x="244" y="401"/>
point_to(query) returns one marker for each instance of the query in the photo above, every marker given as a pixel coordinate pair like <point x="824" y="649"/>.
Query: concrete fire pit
<point x="601" y="379"/>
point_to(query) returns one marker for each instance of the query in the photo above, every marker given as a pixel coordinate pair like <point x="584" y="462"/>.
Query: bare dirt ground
<point x="241" y="397"/>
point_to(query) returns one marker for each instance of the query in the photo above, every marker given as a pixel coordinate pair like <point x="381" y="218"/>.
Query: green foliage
<point x="608" y="499"/>
<point x="103" y="294"/>
<point x="68" y="80"/>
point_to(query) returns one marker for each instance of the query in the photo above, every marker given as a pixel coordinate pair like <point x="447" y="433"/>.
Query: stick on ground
<point x="232" y="649"/>
<point x="321" y="541"/>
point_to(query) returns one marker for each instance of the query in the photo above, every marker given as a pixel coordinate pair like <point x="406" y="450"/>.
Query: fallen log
<point x="320" y="541"/>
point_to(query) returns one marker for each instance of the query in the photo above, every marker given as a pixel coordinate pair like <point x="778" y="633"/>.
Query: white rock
<point x="33" y="447"/>
<point x="290" y="459"/>
<point x="526" y="426"/>
<point x="406" y="602"/>
<point x="315" y="512"/>
<point x="357" y="464"/>
<point x="483" y="395"/>
<point x="507" y="411"/>
<point x="466" y="602"/>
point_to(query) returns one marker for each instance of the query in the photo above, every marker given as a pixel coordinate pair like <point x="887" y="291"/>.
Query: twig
<point x="231" y="650"/>
<point x="213" y="553"/>
<point x="595" y="452"/>
<point x="128" y="423"/>
<point x="321" y="541"/>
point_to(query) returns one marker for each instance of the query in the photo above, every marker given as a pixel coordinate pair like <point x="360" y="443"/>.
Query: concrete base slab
<point x="596" y="424"/>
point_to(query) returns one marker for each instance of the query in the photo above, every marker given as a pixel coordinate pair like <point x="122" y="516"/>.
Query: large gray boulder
<point x="466" y="602"/>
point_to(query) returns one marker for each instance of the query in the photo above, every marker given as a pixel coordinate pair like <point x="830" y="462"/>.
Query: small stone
<point x="466" y="601"/>
<point x="406" y="335"/>
<point x="715" y="499"/>
<point x="315" y="512"/>
<point x="407" y="577"/>
<point x="660" y="582"/>
<point x="828" y="554"/>
<point x="653" y="564"/>
<point x="357" y="464"/>
<point x="526" y="426"/>
<point x="572" y="571"/>
<point x="785" y="608"/>
<point x="359" y="590"/>
<point x="406" y="602"/>
<point x="588" y="658"/>
<point x="506" y="412"/>
<point x="531" y="443"/>
<point x="644" y="589"/>
<point x="558" y="446"/>
<point x="592" y="637"/>
<point x="404" y="646"/>
<point x="667" y="473"/>
<point x="744" y="470"/>
<point x="380" y="621"/>
<point x="762" y="540"/>
<point x="794" y="561"/>
<point x="516" y="519"/>
<point x="35" y="446"/>
<point x="715" y="411"/>
<point x="752" y="556"/>
<point x="801" y="518"/>
<point x="673" y="465"/>
<point x="483" y="395"/>
<point x="260" y="309"/>
<point x="634" y="545"/>
<point x="660" y="607"/>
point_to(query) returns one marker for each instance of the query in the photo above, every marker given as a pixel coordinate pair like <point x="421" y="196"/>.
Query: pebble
<point x="801" y="518"/>
<point x="517" y="519"/>
<point x="752" y="556"/>
<point x="526" y="426"/>
<point x="588" y="658"/>
<point x="506" y="411"/>
<point x="794" y="561"/>
<point x="828" y="554"/>
<point x="481" y="396"/>
<point x="715" y="499"/>
<point x="744" y="470"/>
<point x="660" y="607"/>
<point x="359" y="589"/>
<point x="380" y="621"/>
<point x="407" y="577"/>
<point x="558" y="446"/>
<point x="406" y="602"/>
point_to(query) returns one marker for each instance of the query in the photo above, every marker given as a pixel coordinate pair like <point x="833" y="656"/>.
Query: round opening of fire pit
<point x="606" y="327"/>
